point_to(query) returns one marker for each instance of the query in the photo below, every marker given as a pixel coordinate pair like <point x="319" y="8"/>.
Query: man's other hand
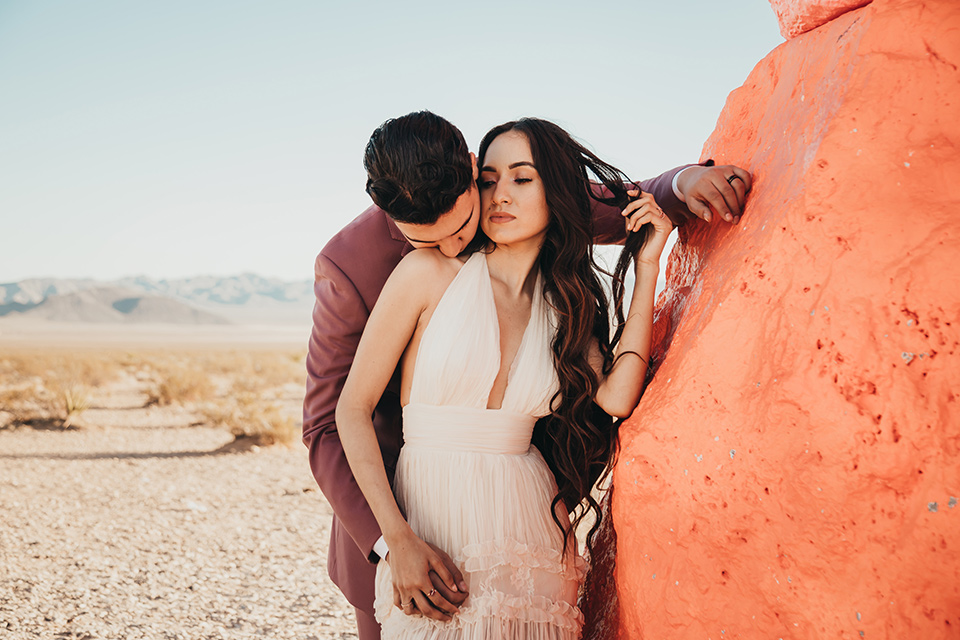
<point x="426" y="581"/>
<point x="718" y="190"/>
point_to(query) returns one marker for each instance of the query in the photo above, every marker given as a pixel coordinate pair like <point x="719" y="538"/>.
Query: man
<point x="422" y="179"/>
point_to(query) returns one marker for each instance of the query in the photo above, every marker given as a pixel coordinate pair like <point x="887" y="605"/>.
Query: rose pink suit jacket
<point x="350" y="272"/>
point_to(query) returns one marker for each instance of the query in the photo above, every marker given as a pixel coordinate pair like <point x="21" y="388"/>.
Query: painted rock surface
<point x="799" y="16"/>
<point x="793" y="469"/>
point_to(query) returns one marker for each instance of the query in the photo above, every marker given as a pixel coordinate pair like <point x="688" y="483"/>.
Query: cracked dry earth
<point x="135" y="526"/>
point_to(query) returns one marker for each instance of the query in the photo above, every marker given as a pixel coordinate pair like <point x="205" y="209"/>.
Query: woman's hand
<point x="644" y="210"/>
<point x="411" y="562"/>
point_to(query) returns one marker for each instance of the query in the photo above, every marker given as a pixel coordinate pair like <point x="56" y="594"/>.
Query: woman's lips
<point x="501" y="217"/>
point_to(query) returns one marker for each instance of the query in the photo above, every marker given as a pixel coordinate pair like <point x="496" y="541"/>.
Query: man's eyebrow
<point x="522" y="163"/>
<point x="465" y="223"/>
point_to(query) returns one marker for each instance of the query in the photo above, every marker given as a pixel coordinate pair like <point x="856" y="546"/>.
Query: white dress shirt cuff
<point x="676" y="191"/>
<point x="380" y="548"/>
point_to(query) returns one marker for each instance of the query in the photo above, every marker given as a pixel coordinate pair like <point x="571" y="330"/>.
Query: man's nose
<point x="451" y="247"/>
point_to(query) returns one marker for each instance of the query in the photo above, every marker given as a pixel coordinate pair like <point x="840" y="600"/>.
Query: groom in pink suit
<point x="421" y="177"/>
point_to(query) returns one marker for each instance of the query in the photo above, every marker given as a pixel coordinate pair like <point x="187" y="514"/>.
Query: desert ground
<point x="153" y="485"/>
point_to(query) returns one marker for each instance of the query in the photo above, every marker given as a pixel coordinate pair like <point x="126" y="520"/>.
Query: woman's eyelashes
<point x="485" y="184"/>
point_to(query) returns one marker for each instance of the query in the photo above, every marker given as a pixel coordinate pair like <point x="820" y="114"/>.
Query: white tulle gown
<point x="471" y="483"/>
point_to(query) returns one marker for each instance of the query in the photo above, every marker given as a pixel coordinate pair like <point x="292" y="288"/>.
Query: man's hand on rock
<point x="718" y="190"/>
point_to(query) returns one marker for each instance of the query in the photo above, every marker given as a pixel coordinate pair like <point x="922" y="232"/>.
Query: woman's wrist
<point x="649" y="270"/>
<point x="395" y="534"/>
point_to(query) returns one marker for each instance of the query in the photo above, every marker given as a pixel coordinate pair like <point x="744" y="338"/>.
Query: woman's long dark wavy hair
<point x="578" y="439"/>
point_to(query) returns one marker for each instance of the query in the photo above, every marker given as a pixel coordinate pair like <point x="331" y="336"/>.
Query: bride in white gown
<point x="488" y="343"/>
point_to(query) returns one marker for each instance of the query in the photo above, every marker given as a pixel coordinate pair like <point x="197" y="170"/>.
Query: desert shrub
<point x="268" y="425"/>
<point x="90" y="369"/>
<point x="21" y="367"/>
<point x="25" y="403"/>
<point x="279" y="369"/>
<point x="247" y="387"/>
<point x="257" y="369"/>
<point x="180" y="385"/>
<point x="250" y="415"/>
<point x="36" y="404"/>
<point x="75" y="399"/>
<point x="250" y="393"/>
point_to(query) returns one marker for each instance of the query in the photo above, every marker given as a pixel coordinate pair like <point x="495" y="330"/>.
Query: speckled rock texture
<point x="793" y="469"/>
<point x="799" y="16"/>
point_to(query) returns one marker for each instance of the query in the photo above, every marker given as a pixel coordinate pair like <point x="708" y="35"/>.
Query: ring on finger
<point x="431" y="593"/>
<point x="734" y="177"/>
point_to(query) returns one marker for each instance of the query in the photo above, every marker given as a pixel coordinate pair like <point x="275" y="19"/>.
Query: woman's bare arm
<point x="392" y="324"/>
<point x="619" y="392"/>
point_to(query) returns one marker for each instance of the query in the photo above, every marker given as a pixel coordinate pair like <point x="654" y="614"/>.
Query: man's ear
<point x="473" y="161"/>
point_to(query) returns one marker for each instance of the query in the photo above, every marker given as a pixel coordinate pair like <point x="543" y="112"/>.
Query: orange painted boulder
<point x="799" y="16"/>
<point x="793" y="469"/>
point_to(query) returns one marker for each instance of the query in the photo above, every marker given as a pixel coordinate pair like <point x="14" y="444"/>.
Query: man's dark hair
<point x="417" y="165"/>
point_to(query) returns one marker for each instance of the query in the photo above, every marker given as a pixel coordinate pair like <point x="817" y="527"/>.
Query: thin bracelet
<point x="623" y="353"/>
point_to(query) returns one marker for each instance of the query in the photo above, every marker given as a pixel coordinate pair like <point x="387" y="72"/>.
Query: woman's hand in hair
<point x="645" y="211"/>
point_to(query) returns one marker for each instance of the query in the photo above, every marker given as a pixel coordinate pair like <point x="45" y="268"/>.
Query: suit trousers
<point x="367" y="626"/>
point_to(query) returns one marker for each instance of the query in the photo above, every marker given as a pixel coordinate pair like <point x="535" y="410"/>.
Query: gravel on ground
<point x="135" y="525"/>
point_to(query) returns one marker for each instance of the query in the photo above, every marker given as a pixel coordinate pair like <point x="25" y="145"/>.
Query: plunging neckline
<point x="523" y="339"/>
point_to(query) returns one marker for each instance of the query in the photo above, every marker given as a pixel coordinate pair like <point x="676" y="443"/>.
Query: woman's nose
<point x="501" y="193"/>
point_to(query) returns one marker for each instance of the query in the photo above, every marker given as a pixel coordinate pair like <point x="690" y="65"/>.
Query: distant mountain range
<point x="243" y="299"/>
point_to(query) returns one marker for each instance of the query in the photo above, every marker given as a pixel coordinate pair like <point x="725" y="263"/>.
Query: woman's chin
<point x="503" y="239"/>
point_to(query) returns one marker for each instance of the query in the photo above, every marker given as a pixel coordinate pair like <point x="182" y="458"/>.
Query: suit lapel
<point x="397" y="235"/>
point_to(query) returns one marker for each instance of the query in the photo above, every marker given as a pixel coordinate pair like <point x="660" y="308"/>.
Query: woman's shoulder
<point x="421" y="278"/>
<point x="424" y="269"/>
<point x="429" y="263"/>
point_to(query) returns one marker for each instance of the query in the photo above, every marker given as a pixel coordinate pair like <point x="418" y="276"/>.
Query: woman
<point x="515" y="331"/>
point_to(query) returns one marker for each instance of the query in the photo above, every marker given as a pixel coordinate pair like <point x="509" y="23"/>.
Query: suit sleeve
<point x="609" y="225"/>
<point x="339" y="316"/>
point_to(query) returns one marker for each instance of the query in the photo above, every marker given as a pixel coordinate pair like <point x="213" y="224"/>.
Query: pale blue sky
<point x="181" y="138"/>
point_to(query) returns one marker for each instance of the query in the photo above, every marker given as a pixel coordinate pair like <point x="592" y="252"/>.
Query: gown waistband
<point x="467" y="429"/>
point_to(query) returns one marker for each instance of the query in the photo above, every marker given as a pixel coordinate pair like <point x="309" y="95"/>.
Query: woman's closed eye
<point x="486" y="184"/>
